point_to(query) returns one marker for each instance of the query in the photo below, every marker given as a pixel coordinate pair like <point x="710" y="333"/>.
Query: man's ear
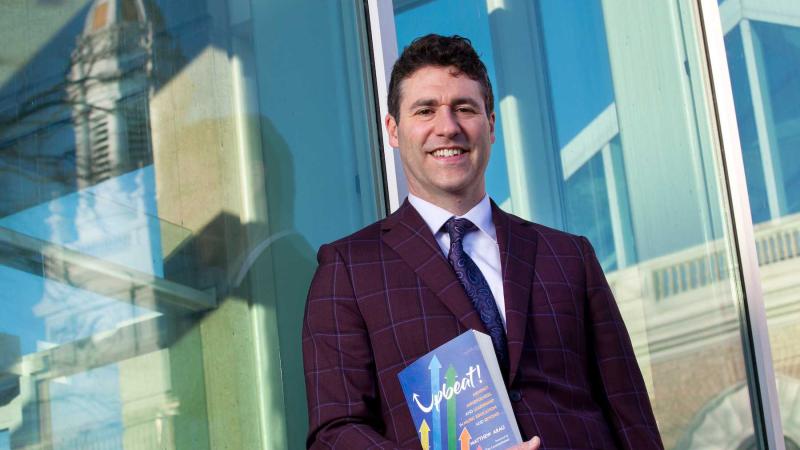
<point x="391" y="128"/>
<point x="491" y="127"/>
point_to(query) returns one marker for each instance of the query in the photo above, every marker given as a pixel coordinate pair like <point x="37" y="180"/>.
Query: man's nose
<point x="447" y="123"/>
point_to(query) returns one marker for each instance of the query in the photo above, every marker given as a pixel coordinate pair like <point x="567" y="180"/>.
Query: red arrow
<point x="464" y="438"/>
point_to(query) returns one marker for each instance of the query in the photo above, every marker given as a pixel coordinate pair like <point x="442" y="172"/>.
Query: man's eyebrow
<point x="424" y="102"/>
<point x="456" y="101"/>
<point x="466" y="101"/>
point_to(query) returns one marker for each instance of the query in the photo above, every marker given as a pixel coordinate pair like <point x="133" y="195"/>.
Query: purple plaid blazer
<point x="386" y="295"/>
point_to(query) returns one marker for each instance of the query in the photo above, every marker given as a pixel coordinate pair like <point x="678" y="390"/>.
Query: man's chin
<point x="461" y="192"/>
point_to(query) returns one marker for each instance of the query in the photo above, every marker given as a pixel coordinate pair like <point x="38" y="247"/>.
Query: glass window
<point x="748" y="135"/>
<point x="763" y="59"/>
<point x="169" y="169"/>
<point x="607" y="132"/>
<point x="780" y="50"/>
<point x="586" y="197"/>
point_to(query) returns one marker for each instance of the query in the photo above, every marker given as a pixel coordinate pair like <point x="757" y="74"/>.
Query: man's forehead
<point x="451" y="70"/>
<point x="415" y="82"/>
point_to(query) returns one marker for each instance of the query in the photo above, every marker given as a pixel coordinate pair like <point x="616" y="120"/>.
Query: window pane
<point x="606" y="132"/>
<point x="587" y="204"/>
<point x="748" y="134"/>
<point x="764" y="60"/>
<point x="169" y="169"/>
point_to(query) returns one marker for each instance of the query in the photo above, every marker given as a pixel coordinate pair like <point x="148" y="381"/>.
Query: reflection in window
<point x="756" y="187"/>
<point x="157" y="178"/>
<point x="100" y="16"/>
<point x="763" y="59"/>
<point x="599" y="99"/>
<point x="763" y="50"/>
<point x="84" y="410"/>
<point x="782" y="74"/>
<point x="588" y="213"/>
<point x="597" y="206"/>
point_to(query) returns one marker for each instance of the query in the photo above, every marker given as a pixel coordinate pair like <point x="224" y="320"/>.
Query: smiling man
<point x="449" y="260"/>
<point x="444" y="132"/>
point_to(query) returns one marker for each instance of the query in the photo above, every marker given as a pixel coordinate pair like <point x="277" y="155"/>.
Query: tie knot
<point x="458" y="228"/>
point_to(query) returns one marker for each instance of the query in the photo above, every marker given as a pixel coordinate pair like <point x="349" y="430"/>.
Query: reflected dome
<point x="106" y="13"/>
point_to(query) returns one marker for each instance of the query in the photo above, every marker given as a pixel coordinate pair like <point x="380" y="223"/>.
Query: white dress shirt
<point x="480" y="245"/>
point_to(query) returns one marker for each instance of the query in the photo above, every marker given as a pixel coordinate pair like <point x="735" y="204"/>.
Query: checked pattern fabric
<point x="384" y="296"/>
<point x="477" y="287"/>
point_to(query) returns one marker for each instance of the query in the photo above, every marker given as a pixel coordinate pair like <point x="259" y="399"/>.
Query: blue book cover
<point x="458" y="399"/>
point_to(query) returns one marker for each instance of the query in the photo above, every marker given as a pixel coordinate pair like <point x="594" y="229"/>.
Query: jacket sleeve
<point x="622" y="390"/>
<point x="343" y="397"/>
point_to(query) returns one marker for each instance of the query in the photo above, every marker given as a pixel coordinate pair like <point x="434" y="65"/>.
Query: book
<point x="458" y="399"/>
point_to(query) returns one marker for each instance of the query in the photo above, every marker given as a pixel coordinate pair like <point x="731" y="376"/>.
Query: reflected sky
<point x="748" y="135"/>
<point x="577" y="62"/>
<point x="113" y="221"/>
<point x="781" y="45"/>
<point x="87" y="409"/>
<point x="777" y="55"/>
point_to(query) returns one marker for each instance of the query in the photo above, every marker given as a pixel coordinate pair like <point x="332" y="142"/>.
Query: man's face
<point x="444" y="135"/>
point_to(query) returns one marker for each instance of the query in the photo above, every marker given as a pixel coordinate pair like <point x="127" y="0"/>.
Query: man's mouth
<point x="447" y="152"/>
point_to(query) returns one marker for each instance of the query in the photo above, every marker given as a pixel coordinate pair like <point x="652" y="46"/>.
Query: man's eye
<point x="424" y="112"/>
<point x="466" y="109"/>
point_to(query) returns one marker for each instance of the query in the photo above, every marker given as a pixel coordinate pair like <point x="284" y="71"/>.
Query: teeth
<point x="447" y="152"/>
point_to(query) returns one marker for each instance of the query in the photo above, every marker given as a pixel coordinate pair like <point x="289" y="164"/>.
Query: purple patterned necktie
<point x="477" y="287"/>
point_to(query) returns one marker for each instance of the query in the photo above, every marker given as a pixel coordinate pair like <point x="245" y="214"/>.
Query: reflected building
<point x="109" y="86"/>
<point x="628" y="163"/>
<point x="674" y="287"/>
<point x="105" y="214"/>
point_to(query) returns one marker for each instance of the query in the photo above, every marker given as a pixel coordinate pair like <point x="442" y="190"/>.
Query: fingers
<point x="533" y="444"/>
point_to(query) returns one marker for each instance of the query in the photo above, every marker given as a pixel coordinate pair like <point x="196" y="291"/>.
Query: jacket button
<point x="514" y="395"/>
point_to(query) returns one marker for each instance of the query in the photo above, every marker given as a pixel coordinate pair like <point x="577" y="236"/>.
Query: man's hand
<point x="533" y="444"/>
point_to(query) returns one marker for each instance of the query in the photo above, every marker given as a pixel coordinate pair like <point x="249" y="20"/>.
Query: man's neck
<point x="457" y="205"/>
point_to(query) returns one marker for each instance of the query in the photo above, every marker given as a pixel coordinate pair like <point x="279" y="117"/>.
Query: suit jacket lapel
<point x="407" y="234"/>
<point x="517" y="245"/>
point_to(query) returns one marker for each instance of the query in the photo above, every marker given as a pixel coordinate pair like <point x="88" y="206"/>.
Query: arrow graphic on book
<point x="450" y="379"/>
<point x="434" y="367"/>
<point x="464" y="438"/>
<point x="423" y="435"/>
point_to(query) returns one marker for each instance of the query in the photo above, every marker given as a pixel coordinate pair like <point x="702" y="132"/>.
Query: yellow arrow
<point x="423" y="435"/>
<point x="464" y="438"/>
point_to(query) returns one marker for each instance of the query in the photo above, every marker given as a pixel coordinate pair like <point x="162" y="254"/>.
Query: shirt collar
<point x="435" y="216"/>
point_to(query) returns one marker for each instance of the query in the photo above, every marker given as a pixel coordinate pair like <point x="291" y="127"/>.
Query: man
<point x="397" y="289"/>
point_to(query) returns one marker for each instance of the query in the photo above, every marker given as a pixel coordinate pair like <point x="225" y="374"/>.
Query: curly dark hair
<point x="439" y="51"/>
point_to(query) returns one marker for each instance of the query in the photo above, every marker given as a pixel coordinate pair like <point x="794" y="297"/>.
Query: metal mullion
<point x="384" y="53"/>
<point x="758" y="353"/>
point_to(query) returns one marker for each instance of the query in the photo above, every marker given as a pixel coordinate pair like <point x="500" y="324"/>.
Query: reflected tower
<point x="112" y="218"/>
<point x="111" y="69"/>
